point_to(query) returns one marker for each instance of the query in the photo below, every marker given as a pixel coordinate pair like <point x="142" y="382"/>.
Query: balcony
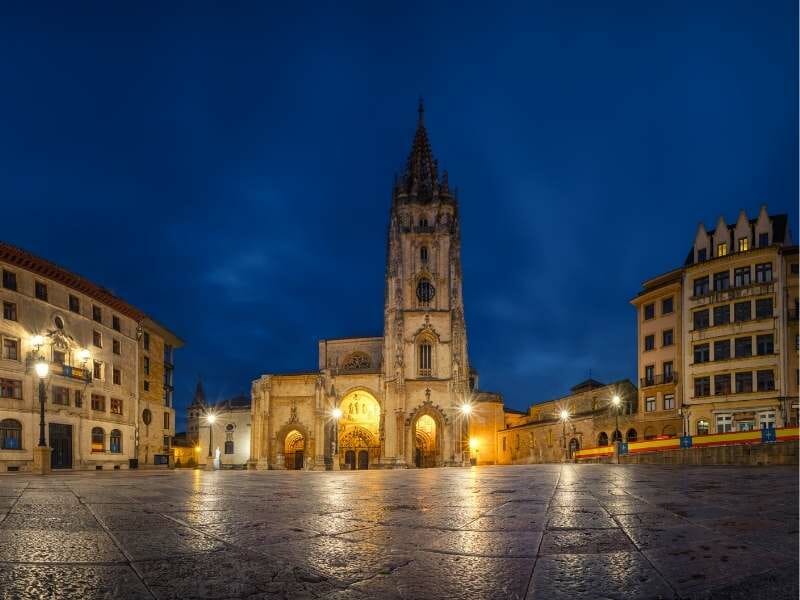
<point x="734" y="292"/>
<point x="79" y="373"/>
<point x="660" y="379"/>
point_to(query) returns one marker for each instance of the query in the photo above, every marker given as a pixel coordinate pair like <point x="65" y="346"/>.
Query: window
<point x="147" y="416"/>
<point x="166" y="442"/>
<point x="649" y="375"/>
<point x="146" y="365"/>
<point x="146" y="341"/>
<point x="650" y="404"/>
<point x="765" y="380"/>
<point x="78" y="398"/>
<point x="722" y="249"/>
<point x="742" y="311"/>
<point x="146" y="386"/>
<point x="98" y="369"/>
<point x="115" y="347"/>
<point x="9" y="280"/>
<point x="701" y="255"/>
<point x="10" y="311"/>
<point x="97" y="313"/>
<point x="649" y="342"/>
<point x="744" y="382"/>
<point x="763" y="308"/>
<point x="40" y="290"/>
<point x="700" y="319"/>
<point x="98" y="439"/>
<point x="722" y="314"/>
<point x="115" y="441"/>
<point x="10" y="434"/>
<point x="764" y="272"/>
<point x="11" y="388"/>
<point x="115" y="323"/>
<point x="425" y="351"/>
<point x="667" y="366"/>
<point x="74" y="304"/>
<point x="721" y="281"/>
<point x="98" y="402"/>
<point x="228" y="446"/>
<point x="59" y="357"/>
<point x="166" y="420"/>
<point x="724" y="423"/>
<point x="702" y="427"/>
<point x="117" y="377"/>
<point x="766" y="420"/>
<point x="58" y="322"/>
<point x="763" y="240"/>
<point x="722" y="384"/>
<point x="631" y="435"/>
<point x="765" y="344"/>
<point x="423" y="255"/>
<point x="741" y="277"/>
<point x="10" y="349"/>
<point x="116" y="406"/>
<point x="666" y="306"/>
<point x="743" y="347"/>
<point x="744" y="244"/>
<point x="60" y="395"/>
<point x="701" y="353"/>
<point x="649" y="311"/>
<point x="701" y="286"/>
<point x="97" y="338"/>
<point x="666" y="337"/>
<point x="669" y="401"/>
<point x="722" y="350"/>
<point x="425" y="292"/>
<point x="702" y="387"/>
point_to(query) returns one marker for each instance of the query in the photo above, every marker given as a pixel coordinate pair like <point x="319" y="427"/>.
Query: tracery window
<point x="425" y="292"/>
<point x="425" y="359"/>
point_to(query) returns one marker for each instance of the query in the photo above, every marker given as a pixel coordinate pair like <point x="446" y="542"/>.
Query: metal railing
<point x="659" y="379"/>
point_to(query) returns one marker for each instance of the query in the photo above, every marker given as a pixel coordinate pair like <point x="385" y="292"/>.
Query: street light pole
<point x="564" y="416"/>
<point x="617" y="402"/>
<point x="466" y="410"/>
<point x="42" y="451"/>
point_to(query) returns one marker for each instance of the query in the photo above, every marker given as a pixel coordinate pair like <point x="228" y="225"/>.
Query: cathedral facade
<point x="408" y="398"/>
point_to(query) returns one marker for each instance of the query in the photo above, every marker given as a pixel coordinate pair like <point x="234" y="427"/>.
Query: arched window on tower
<point x="425" y="292"/>
<point x="423" y="254"/>
<point x="425" y="350"/>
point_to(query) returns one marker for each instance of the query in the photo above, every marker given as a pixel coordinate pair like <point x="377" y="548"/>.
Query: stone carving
<point x="357" y="360"/>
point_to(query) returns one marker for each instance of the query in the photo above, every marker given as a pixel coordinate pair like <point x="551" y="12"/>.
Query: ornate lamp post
<point x="564" y="416"/>
<point x="210" y="419"/>
<point x="616" y="401"/>
<point x="42" y="368"/>
<point x="466" y="411"/>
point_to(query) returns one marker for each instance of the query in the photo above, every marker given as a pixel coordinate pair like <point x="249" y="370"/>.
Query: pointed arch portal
<point x="359" y="430"/>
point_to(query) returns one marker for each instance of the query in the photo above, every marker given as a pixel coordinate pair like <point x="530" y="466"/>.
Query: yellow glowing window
<point x="722" y="249"/>
<point x="744" y="244"/>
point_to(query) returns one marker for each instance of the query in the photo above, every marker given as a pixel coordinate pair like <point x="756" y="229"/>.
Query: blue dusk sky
<point x="227" y="167"/>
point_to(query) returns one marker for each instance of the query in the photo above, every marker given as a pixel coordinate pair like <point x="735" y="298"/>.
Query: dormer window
<point x="744" y="244"/>
<point x="423" y="254"/>
<point x="722" y="249"/>
<point x="763" y="240"/>
<point x="701" y="255"/>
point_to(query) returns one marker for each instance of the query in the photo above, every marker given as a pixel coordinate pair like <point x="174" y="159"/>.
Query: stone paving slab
<point x="539" y="531"/>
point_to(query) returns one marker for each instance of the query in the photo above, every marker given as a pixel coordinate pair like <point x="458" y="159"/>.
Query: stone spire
<point x="199" y="394"/>
<point x="420" y="181"/>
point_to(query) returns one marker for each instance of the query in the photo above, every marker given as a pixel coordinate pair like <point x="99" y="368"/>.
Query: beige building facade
<point x="88" y="338"/>
<point x="732" y="364"/>
<point x="395" y="400"/>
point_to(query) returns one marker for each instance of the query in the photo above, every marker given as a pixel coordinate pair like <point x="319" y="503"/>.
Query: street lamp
<point x="42" y="369"/>
<point x="466" y="410"/>
<point x="617" y="402"/>
<point x="564" y="415"/>
<point x="210" y="418"/>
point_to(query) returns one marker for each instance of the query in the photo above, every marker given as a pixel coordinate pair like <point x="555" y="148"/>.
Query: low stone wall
<point x="780" y="453"/>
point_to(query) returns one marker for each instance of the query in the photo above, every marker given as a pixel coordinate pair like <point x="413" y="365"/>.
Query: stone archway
<point x="426" y="430"/>
<point x="293" y="447"/>
<point x="358" y="440"/>
<point x="294" y="450"/>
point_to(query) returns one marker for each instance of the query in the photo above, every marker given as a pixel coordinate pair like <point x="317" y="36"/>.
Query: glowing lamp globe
<point x="616" y="400"/>
<point x="336" y="413"/>
<point x="564" y="415"/>
<point x="466" y="408"/>
<point x="42" y="368"/>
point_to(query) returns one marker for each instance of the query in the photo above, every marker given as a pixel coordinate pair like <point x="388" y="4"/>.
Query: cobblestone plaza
<point x="573" y="531"/>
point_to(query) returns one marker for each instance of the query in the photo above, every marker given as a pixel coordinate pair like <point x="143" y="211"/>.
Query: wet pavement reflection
<point x="543" y="531"/>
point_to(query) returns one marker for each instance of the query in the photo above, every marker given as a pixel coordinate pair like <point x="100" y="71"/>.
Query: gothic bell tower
<point x="426" y="367"/>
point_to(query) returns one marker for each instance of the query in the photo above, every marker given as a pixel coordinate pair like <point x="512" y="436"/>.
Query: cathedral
<point x="409" y="398"/>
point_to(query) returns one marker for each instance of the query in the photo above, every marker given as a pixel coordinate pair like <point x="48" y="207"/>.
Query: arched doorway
<point x="631" y="435"/>
<point x="602" y="439"/>
<point x="358" y="430"/>
<point x="574" y="446"/>
<point x="425" y="442"/>
<point x="294" y="450"/>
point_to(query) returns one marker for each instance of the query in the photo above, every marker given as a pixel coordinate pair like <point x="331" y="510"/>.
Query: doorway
<point x="350" y="460"/>
<point x="363" y="459"/>
<point x="425" y="442"/>
<point x="60" y="445"/>
<point x="294" y="450"/>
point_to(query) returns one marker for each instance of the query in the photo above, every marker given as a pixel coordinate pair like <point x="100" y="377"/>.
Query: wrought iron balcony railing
<point x="659" y="379"/>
